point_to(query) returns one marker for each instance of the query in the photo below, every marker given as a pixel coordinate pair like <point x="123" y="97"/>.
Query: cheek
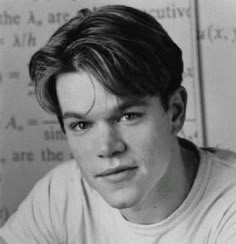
<point x="82" y="150"/>
<point x="152" y="141"/>
<point x="152" y="134"/>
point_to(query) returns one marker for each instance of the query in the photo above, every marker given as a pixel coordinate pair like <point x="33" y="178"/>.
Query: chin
<point x="122" y="200"/>
<point x="120" y="205"/>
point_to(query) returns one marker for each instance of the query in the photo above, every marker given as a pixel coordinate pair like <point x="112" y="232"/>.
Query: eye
<point x="129" y="117"/>
<point x="80" y="126"/>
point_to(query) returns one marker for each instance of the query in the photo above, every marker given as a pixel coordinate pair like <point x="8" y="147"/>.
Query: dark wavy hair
<point x="125" y="49"/>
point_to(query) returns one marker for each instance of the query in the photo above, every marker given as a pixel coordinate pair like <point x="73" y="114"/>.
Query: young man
<point x="113" y="78"/>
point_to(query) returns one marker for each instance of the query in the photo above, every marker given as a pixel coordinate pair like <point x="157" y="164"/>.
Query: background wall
<point x="217" y="33"/>
<point x="31" y="142"/>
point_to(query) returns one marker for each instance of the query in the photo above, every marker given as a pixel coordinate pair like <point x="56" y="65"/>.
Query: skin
<point x="126" y="149"/>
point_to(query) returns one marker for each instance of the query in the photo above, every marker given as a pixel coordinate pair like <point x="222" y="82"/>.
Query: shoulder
<point x="222" y="164"/>
<point x="223" y="156"/>
<point x="64" y="169"/>
<point x="63" y="173"/>
<point x="59" y="181"/>
<point x="218" y="198"/>
<point x="222" y="160"/>
<point x="41" y="216"/>
<point x="55" y="188"/>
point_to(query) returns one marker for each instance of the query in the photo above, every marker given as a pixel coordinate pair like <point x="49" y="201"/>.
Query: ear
<point x="177" y="109"/>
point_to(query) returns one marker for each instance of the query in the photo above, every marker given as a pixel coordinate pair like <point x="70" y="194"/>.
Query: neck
<point x="169" y="193"/>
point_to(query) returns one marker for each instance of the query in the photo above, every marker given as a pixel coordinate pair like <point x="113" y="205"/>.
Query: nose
<point x="110" y="143"/>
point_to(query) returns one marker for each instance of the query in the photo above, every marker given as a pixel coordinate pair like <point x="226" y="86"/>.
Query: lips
<point x="117" y="170"/>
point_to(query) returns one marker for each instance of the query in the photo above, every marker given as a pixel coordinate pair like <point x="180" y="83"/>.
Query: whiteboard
<point x="217" y="54"/>
<point x="31" y="140"/>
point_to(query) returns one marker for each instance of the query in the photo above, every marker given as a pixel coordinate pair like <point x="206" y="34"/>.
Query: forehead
<point x="81" y="92"/>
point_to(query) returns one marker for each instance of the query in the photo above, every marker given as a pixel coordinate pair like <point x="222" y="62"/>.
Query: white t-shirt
<point x="63" y="209"/>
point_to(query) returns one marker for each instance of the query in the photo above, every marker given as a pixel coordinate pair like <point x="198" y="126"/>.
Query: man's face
<point x="123" y="147"/>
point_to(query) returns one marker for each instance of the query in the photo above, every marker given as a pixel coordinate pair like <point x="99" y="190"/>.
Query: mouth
<point x="118" y="174"/>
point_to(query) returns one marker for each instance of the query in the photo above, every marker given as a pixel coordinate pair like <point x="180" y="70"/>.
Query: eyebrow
<point x="122" y="106"/>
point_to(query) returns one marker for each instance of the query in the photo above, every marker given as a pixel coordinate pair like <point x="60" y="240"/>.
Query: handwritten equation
<point x="213" y="33"/>
<point x="218" y="34"/>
